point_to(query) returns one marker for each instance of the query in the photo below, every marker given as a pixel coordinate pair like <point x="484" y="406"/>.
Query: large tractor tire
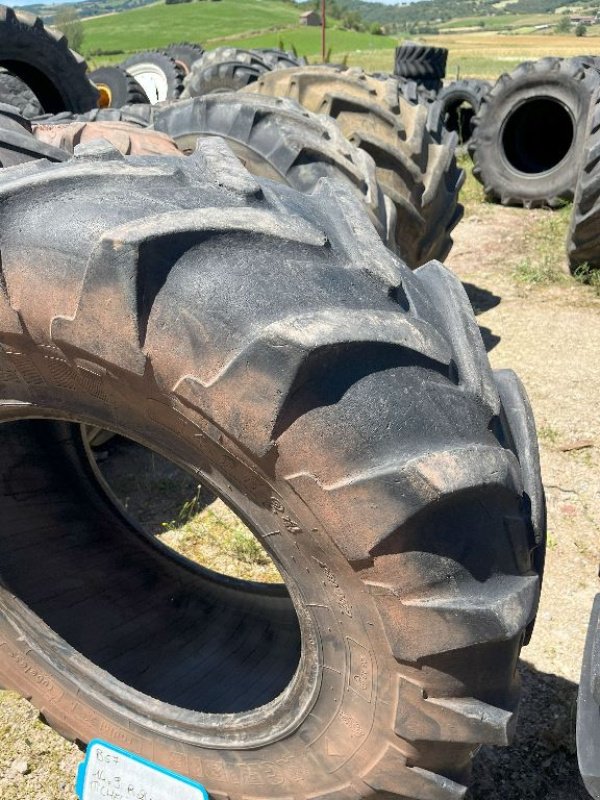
<point x="14" y="92"/>
<point x="280" y="59"/>
<point x="583" y="239"/>
<point x="280" y="140"/>
<point x="421" y="63"/>
<point x="127" y="139"/>
<point x="221" y="55"/>
<point x="157" y="73"/>
<point x="342" y="405"/>
<point x="41" y="58"/>
<point x="17" y="142"/>
<point x="529" y="134"/>
<point x="222" y="76"/>
<point x="185" y="54"/>
<point x="456" y="106"/>
<point x="117" y="87"/>
<point x="416" y="170"/>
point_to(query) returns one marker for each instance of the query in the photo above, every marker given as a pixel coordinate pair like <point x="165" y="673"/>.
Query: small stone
<point x="20" y="766"/>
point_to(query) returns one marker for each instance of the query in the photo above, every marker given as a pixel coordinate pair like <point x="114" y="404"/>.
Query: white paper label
<point x="109" y="773"/>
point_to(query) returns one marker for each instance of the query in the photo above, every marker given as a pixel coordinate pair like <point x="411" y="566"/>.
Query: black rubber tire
<point x="456" y="106"/>
<point x="223" y="76"/>
<point x="583" y="238"/>
<point x="41" y="58"/>
<point x="185" y="54"/>
<point x="264" y="338"/>
<point x="528" y="136"/>
<point x="426" y="65"/>
<point x="141" y="114"/>
<point x="279" y="140"/>
<point x="414" y="92"/>
<point x="122" y="88"/>
<point x="414" y="168"/>
<point x="14" y="92"/>
<point x="280" y="59"/>
<point x="17" y="142"/>
<point x="169" y="73"/>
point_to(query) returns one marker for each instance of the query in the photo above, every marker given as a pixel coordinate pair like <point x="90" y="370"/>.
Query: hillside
<point x="253" y="23"/>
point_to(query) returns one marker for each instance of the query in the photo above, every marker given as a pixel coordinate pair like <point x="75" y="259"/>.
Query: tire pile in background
<point x="235" y="260"/>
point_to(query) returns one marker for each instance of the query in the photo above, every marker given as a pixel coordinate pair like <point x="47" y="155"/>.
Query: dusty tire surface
<point x="157" y="73"/>
<point x="17" y="142"/>
<point x="583" y="238"/>
<point x="279" y="140"/>
<point x="127" y="139"/>
<point x="117" y="87"/>
<point x="456" y="106"/>
<point x="414" y="168"/>
<point x="528" y="136"/>
<point x="392" y="654"/>
<point x="280" y="59"/>
<point x="41" y="58"/>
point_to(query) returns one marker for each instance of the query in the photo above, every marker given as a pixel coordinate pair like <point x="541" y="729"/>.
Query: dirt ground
<point x="548" y="330"/>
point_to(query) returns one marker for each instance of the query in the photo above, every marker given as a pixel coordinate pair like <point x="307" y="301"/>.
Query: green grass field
<point x="159" y="25"/>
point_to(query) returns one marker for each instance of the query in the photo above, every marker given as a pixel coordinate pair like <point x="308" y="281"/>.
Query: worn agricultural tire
<point x="416" y="170"/>
<point x="185" y="54"/>
<point x="17" y="142"/>
<point x="583" y="238"/>
<point x="279" y="140"/>
<point x="127" y="139"/>
<point x="226" y="76"/>
<point x="456" y="106"/>
<point x="414" y="92"/>
<point x="528" y="136"/>
<point x="342" y="405"/>
<point x="41" y="58"/>
<point x="140" y="114"/>
<point x="157" y="73"/>
<point x="425" y="65"/>
<point x="14" y="92"/>
<point x="117" y="87"/>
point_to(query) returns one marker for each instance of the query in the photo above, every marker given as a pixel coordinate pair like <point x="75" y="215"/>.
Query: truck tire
<point x="279" y="140"/>
<point x="157" y="73"/>
<point x="583" y="238"/>
<point x="425" y="65"/>
<point x="528" y="138"/>
<point x="185" y="54"/>
<point x="117" y="87"/>
<point x="223" y="76"/>
<point x="342" y="405"/>
<point x="41" y="58"/>
<point x="127" y="139"/>
<point x="18" y="144"/>
<point x="418" y="172"/>
<point x="456" y="106"/>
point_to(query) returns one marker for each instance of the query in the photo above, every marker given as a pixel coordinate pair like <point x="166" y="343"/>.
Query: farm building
<point x="310" y="18"/>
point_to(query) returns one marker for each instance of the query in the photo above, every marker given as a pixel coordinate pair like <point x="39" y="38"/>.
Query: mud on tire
<point x="342" y="405"/>
<point x="414" y="168"/>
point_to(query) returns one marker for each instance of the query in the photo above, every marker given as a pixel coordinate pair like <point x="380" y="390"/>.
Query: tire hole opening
<point x="537" y="136"/>
<point x="184" y="638"/>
